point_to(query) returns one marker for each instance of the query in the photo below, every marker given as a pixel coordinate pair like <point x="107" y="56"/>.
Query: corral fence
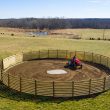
<point x="55" y="88"/>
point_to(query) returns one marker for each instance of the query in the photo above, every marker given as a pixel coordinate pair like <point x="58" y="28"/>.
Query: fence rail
<point x="1" y="70"/>
<point x="55" y="88"/>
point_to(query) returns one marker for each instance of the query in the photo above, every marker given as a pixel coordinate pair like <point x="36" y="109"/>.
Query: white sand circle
<point x="56" y="71"/>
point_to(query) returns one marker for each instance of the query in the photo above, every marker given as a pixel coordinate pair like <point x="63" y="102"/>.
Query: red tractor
<point x="74" y="63"/>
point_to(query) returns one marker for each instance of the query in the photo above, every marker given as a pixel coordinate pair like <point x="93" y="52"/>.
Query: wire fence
<point x="55" y="88"/>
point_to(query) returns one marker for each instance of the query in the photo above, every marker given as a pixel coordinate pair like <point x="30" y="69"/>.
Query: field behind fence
<point x="55" y="88"/>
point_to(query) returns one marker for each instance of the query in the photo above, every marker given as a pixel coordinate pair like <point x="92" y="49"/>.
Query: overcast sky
<point x="55" y="8"/>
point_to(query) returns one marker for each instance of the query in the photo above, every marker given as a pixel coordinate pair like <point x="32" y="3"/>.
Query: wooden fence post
<point x="8" y="80"/>
<point x="39" y="54"/>
<point x="20" y="85"/>
<point x="72" y="88"/>
<point x="92" y="57"/>
<point x="57" y="53"/>
<point x="2" y="71"/>
<point x="48" y="53"/>
<point x="66" y="53"/>
<point x="84" y="56"/>
<point x="100" y="59"/>
<point x="1" y="75"/>
<point x="89" y="86"/>
<point x="107" y="61"/>
<point x="104" y="83"/>
<point x="35" y="87"/>
<point x="53" y="84"/>
<point x="70" y="54"/>
<point x="75" y="53"/>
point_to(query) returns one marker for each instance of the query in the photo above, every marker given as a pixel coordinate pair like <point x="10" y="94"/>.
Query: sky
<point x="54" y="8"/>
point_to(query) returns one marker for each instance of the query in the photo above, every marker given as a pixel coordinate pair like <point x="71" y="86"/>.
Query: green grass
<point x="12" y="45"/>
<point x="10" y="100"/>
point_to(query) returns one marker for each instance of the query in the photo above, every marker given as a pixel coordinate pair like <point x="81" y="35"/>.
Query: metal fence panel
<point x="53" y="53"/>
<point x="62" y="53"/>
<point x="88" y="56"/>
<point x="31" y="55"/>
<point x="80" y="55"/>
<point x="109" y="63"/>
<point x="104" y="61"/>
<point x="72" y="54"/>
<point x="97" y="86"/>
<point x="44" y="54"/>
<point x="107" y="83"/>
<point x="81" y="88"/>
<point x="27" y="86"/>
<point x="5" y="79"/>
<point x="63" y="89"/>
<point x="96" y="58"/>
<point x="14" y="82"/>
<point x="44" y="88"/>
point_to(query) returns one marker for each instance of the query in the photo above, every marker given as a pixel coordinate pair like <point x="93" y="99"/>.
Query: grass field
<point x="13" y="101"/>
<point x="83" y="33"/>
<point x="11" y="45"/>
<point x="86" y="33"/>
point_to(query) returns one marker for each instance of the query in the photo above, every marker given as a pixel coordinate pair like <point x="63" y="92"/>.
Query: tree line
<point x="55" y="23"/>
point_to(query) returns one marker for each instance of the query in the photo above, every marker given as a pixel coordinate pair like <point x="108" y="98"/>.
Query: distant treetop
<point x="55" y="23"/>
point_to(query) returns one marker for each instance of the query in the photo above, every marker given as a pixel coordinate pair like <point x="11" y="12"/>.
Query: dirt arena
<point x="37" y="69"/>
